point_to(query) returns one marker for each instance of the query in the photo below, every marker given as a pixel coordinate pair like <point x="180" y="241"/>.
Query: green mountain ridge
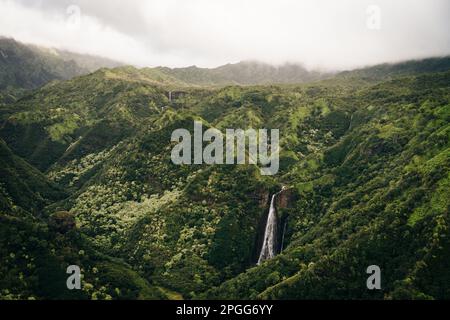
<point x="243" y="73"/>
<point x="387" y="71"/>
<point x="28" y="67"/>
<point x="24" y="66"/>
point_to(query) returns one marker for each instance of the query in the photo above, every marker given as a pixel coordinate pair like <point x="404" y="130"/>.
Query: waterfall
<point x="269" y="246"/>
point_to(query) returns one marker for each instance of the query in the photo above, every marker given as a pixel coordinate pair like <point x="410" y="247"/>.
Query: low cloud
<point x="318" y="33"/>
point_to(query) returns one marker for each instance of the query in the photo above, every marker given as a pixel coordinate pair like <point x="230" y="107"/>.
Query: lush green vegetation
<point x="86" y="179"/>
<point x="28" y="66"/>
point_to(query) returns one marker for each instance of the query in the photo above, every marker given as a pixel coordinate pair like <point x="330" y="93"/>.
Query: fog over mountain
<point x="320" y="34"/>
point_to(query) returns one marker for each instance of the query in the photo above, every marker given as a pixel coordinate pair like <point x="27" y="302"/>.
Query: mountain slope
<point x="37" y="248"/>
<point x="365" y="163"/>
<point x="377" y="196"/>
<point x="22" y="185"/>
<point x="407" y="68"/>
<point x="26" y="67"/>
<point x="78" y="116"/>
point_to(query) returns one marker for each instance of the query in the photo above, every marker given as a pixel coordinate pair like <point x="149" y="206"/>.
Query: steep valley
<point x="87" y="179"/>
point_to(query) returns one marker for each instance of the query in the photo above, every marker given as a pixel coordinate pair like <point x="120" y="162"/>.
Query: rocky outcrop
<point x="285" y="198"/>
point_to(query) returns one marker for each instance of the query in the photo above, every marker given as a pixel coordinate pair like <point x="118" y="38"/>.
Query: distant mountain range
<point x="258" y="73"/>
<point x="29" y="66"/>
<point x="244" y="73"/>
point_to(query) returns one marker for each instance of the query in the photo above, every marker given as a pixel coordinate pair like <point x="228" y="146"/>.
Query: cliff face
<point x="285" y="199"/>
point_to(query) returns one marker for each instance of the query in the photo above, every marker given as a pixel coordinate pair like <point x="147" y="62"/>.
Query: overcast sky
<point x="328" y="34"/>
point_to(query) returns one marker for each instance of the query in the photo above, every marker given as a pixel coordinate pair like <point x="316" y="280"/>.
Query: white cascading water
<point x="269" y="249"/>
